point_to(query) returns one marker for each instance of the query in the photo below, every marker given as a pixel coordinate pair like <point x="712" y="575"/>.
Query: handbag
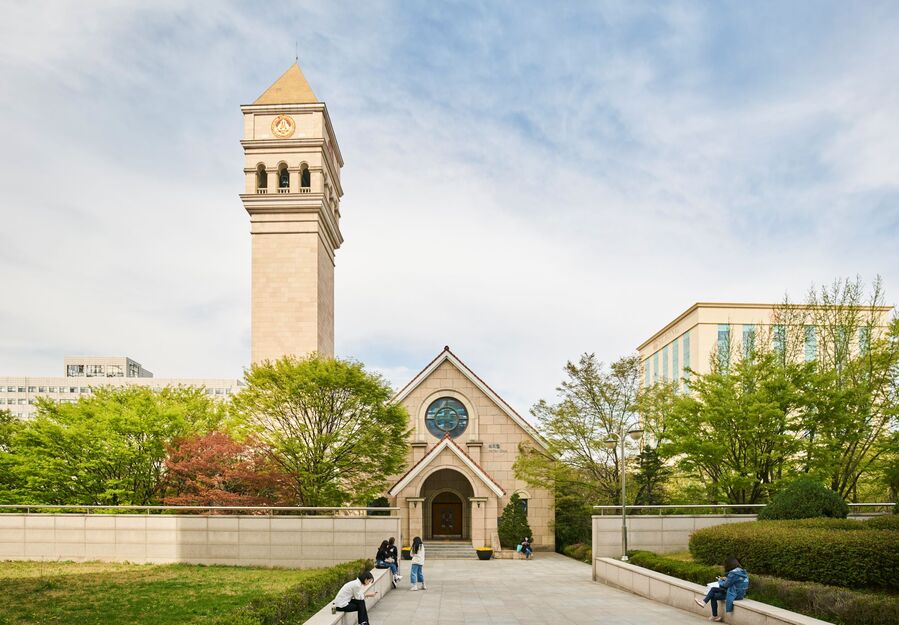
<point x="518" y="548"/>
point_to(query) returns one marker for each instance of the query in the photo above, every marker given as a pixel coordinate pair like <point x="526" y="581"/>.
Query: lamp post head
<point x="610" y="443"/>
<point x="636" y="434"/>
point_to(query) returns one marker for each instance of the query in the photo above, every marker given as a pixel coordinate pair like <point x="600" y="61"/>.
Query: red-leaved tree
<point x="216" y="470"/>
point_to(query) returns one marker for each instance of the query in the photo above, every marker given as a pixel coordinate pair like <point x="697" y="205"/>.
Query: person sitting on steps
<point x="351" y="597"/>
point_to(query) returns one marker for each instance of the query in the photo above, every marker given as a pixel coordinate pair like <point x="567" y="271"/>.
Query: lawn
<point x="101" y="593"/>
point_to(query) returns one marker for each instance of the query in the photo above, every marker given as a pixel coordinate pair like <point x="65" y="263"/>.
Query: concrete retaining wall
<point x="246" y="540"/>
<point x="680" y="594"/>
<point x="661" y="534"/>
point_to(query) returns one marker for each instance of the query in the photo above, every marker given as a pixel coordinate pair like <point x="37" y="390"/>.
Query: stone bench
<point x="679" y="593"/>
<point x="325" y="616"/>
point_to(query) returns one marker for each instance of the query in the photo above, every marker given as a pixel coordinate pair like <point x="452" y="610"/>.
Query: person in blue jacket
<point x="731" y="588"/>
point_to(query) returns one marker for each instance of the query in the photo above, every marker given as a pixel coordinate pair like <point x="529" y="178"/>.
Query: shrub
<point x="579" y="551"/>
<point x="805" y="551"/>
<point x="837" y="605"/>
<point x="690" y="571"/>
<point x="805" y="499"/>
<point x="885" y="522"/>
<point x="513" y="524"/>
<point x="298" y="603"/>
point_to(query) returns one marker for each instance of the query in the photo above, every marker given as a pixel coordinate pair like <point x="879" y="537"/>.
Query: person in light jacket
<point x="351" y="597"/>
<point x="730" y="588"/>
<point x="417" y="577"/>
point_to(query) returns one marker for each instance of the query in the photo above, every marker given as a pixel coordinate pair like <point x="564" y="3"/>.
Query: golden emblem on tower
<point x="283" y="126"/>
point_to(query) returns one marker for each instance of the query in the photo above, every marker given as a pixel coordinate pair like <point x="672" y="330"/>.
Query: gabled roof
<point x="448" y="356"/>
<point x="446" y="443"/>
<point x="290" y="88"/>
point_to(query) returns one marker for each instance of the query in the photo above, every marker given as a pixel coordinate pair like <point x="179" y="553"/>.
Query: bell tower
<point x="292" y="169"/>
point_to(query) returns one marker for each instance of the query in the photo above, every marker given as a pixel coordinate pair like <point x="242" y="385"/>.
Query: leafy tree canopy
<point x="328" y="424"/>
<point x="215" y="470"/>
<point x="108" y="448"/>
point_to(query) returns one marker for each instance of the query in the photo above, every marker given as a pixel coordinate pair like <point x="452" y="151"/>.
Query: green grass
<point x="100" y="593"/>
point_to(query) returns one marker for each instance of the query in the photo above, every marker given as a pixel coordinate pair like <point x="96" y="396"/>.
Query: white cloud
<point x="522" y="186"/>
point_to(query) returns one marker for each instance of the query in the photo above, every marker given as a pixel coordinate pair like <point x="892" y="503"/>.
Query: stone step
<point x="450" y="550"/>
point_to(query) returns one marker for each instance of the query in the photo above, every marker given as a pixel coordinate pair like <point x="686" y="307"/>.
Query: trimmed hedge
<point x="829" y="603"/>
<point x="681" y="569"/>
<point x="818" y="550"/>
<point x="805" y="499"/>
<point x="579" y="551"/>
<point x="298" y="603"/>
<point x="885" y="522"/>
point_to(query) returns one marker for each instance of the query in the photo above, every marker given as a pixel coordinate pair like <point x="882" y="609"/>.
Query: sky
<point x="524" y="181"/>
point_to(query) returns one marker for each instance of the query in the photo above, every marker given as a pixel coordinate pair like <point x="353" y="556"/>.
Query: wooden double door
<point x="446" y="516"/>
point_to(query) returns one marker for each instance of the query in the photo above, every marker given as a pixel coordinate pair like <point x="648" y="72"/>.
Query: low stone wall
<point x="245" y="540"/>
<point x="326" y="616"/>
<point x="680" y="594"/>
<point x="661" y="534"/>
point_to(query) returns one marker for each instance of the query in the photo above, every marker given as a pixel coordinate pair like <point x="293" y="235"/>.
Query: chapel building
<point x="464" y="437"/>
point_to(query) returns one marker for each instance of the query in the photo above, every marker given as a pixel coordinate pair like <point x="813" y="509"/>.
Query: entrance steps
<point x="449" y="550"/>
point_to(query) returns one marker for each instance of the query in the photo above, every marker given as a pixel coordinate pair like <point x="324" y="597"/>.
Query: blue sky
<point x="524" y="181"/>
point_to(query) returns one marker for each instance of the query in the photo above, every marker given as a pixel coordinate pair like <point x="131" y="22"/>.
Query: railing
<point x="283" y="190"/>
<point x="714" y="506"/>
<point x="305" y="190"/>
<point x="267" y="510"/>
<point x="261" y="191"/>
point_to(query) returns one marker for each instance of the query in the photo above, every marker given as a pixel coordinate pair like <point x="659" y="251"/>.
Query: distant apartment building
<point x="694" y="337"/>
<point x="19" y="394"/>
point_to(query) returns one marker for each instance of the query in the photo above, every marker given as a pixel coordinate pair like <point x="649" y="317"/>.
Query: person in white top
<point x="417" y="577"/>
<point x="351" y="597"/>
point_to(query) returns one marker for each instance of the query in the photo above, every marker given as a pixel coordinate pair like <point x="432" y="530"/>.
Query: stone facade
<point x="292" y="194"/>
<point x="473" y="469"/>
<point x="236" y="540"/>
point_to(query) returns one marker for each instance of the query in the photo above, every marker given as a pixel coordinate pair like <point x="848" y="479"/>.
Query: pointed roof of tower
<point x="290" y="88"/>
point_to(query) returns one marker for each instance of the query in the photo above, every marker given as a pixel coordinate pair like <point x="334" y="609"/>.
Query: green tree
<point x="512" y="526"/>
<point x="108" y="448"/>
<point x="850" y="401"/>
<point x="594" y="402"/>
<point x="10" y="482"/>
<point x="738" y="428"/>
<point x="651" y="476"/>
<point x="328" y="424"/>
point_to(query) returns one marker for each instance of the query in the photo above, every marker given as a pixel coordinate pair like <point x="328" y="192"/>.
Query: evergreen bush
<point x="300" y="602"/>
<point x="579" y="551"/>
<point x="805" y="499"/>
<point x="820" y="550"/>
<point x="513" y="524"/>
<point x="835" y="605"/>
<point x="885" y="522"/>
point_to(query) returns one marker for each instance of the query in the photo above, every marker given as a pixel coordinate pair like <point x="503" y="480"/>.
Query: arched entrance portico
<point x="447" y="501"/>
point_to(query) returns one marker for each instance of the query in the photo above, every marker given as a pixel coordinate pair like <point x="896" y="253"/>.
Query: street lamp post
<point x="635" y="432"/>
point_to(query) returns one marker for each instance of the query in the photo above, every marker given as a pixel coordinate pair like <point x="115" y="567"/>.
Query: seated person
<point x="382" y="561"/>
<point x="730" y="588"/>
<point x="526" y="549"/>
<point x="351" y="597"/>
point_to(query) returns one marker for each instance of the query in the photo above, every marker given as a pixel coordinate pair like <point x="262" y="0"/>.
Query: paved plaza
<point x="549" y="590"/>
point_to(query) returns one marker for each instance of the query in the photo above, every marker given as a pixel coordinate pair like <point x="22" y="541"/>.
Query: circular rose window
<point x="446" y="416"/>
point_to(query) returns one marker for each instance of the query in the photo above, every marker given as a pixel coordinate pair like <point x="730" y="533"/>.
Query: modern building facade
<point x="83" y="374"/>
<point x="706" y="329"/>
<point x="464" y="438"/>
